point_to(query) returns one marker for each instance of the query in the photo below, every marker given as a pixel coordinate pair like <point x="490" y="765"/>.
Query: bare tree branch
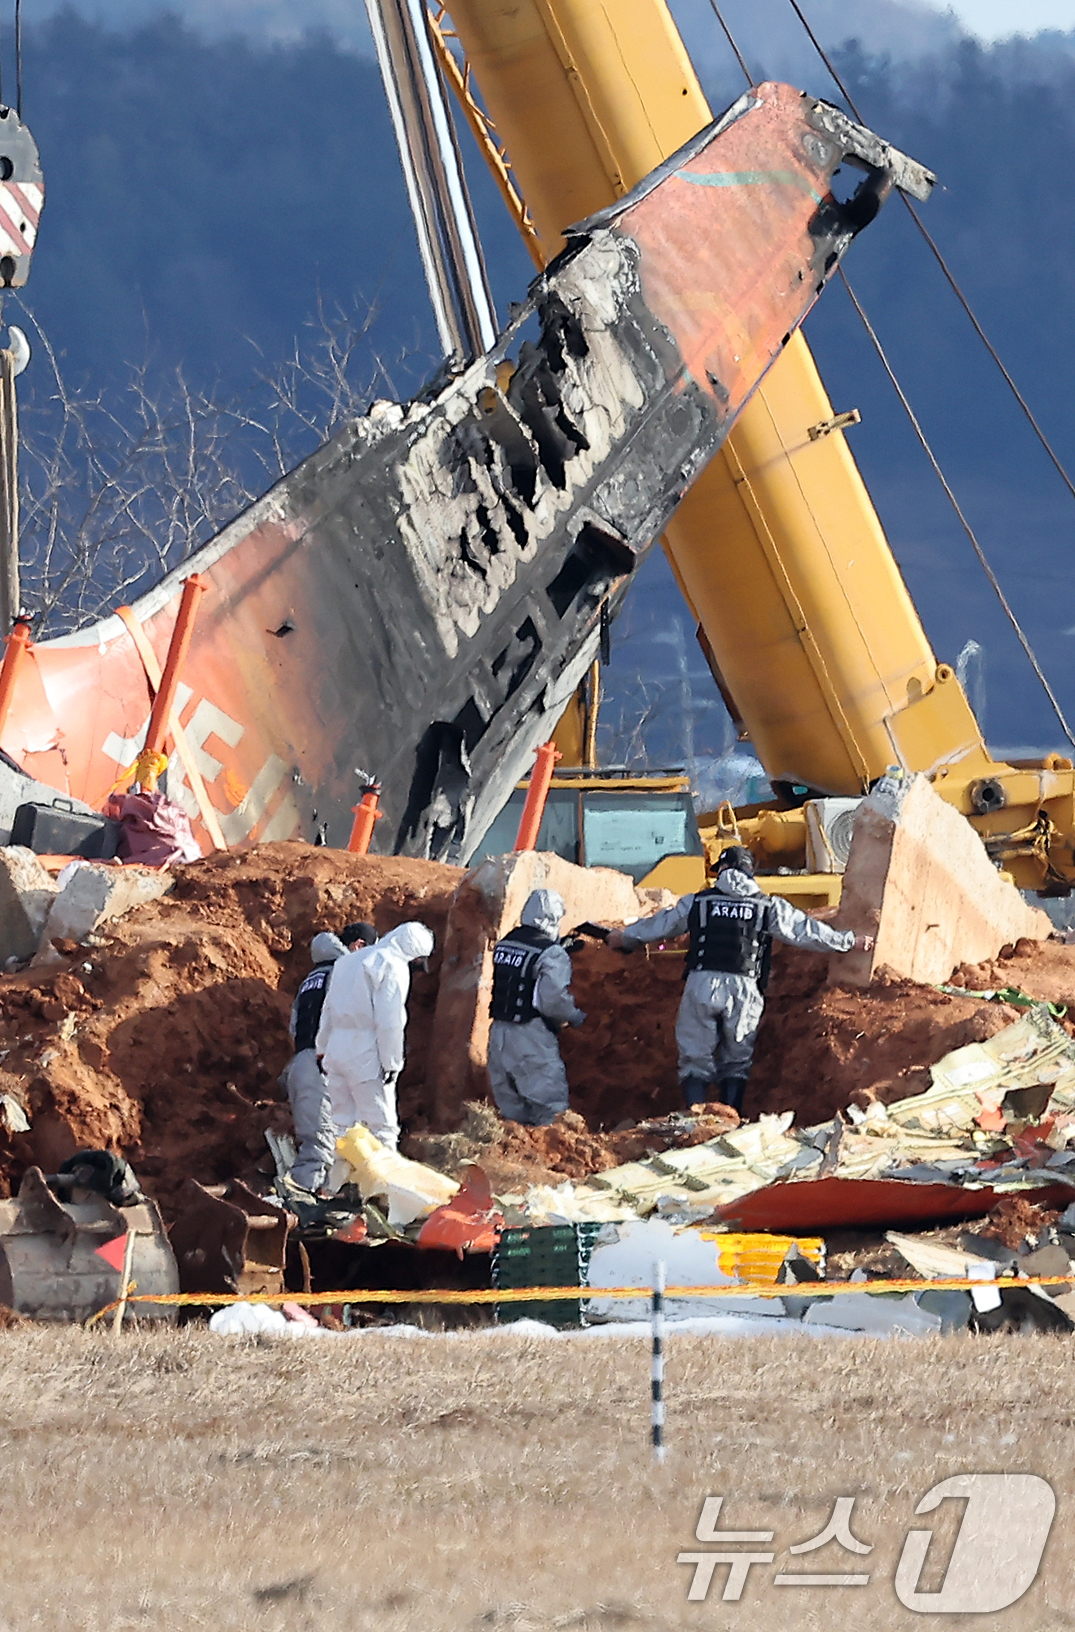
<point x="116" y="492"/>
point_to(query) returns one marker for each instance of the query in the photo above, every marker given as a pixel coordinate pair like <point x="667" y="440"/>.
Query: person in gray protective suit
<point x="531" y="1002"/>
<point x="732" y="925"/>
<point x="302" y="1077"/>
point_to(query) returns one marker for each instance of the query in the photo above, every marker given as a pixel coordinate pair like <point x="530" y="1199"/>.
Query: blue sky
<point x="994" y="19"/>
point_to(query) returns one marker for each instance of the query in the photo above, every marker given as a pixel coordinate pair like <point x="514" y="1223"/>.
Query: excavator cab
<point x="610" y="818"/>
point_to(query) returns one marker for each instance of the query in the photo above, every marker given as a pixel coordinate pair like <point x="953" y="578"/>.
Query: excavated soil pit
<point x="167" y="1040"/>
<point x="822" y="1047"/>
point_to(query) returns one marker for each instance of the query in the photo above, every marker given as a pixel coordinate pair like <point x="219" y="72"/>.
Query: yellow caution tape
<point x="549" y="1294"/>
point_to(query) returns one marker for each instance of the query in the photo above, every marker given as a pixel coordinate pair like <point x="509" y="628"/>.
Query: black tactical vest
<point x="730" y="935"/>
<point x="309" y="1001"/>
<point x="515" y="974"/>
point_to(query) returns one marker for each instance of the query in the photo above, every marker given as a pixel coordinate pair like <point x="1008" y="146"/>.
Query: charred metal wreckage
<point x="442" y="570"/>
<point x="524" y="494"/>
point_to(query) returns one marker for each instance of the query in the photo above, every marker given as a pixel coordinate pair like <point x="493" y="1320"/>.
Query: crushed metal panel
<point x="423" y="594"/>
<point x="1032" y="1051"/>
<point x="51" y="1265"/>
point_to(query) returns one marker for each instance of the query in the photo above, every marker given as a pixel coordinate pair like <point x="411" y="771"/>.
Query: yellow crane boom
<point x="777" y="548"/>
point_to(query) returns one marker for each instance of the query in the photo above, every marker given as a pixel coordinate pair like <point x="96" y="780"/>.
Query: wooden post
<point x="125" y="1283"/>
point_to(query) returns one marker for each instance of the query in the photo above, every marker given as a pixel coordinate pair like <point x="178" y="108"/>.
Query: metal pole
<point x="17" y="644"/>
<point x="657" y="1363"/>
<point x="10" y="604"/>
<point x="468" y="263"/>
<point x="433" y="171"/>
<point x="146" y="772"/>
<point x="536" y="795"/>
<point x="365" y="814"/>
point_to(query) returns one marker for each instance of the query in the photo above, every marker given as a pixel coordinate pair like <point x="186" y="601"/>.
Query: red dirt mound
<point x="820" y="1047"/>
<point x="823" y="1047"/>
<point x="167" y="1042"/>
<point x="1043" y="969"/>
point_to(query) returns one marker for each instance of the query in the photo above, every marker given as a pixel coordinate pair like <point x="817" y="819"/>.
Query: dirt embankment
<point x="167" y="1041"/>
<point x="820" y="1046"/>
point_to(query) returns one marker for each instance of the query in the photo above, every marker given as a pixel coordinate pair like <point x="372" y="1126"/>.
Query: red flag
<point x="113" y="1252"/>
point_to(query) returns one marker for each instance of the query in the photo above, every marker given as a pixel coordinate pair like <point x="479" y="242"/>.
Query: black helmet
<point x="737" y="856"/>
<point x="363" y="934"/>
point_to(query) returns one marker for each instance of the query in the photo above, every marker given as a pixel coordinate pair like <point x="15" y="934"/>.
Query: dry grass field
<point x="497" y="1483"/>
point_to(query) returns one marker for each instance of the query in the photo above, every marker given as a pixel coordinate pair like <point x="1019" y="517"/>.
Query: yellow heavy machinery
<point x="812" y="636"/>
<point x="644" y="825"/>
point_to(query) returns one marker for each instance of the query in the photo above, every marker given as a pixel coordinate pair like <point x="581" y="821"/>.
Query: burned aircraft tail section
<point x="442" y="569"/>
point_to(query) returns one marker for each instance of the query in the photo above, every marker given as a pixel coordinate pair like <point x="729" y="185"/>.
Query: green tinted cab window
<point x="559" y="826"/>
<point x="633" y="835"/>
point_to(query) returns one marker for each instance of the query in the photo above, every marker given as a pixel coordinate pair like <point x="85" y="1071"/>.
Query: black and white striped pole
<point x="657" y="1363"/>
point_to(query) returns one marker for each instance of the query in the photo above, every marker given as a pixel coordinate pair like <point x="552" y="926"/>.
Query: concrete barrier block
<point x="487" y="904"/>
<point x="920" y="881"/>
<point x="26" y="895"/>
<point x="94" y="895"/>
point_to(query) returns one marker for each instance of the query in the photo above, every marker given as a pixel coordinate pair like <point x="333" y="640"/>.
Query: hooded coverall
<point x="362" y="1030"/>
<point x="719" y="1015"/>
<point x="526" y="1072"/>
<point x="302" y="1076"/>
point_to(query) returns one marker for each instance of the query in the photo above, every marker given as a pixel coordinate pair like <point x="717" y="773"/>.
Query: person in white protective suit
<point x="363" y="1026"/>
<point x="302" y="1077"/>
<point x="531" y="1001"/>
<point x="732" y="925"/>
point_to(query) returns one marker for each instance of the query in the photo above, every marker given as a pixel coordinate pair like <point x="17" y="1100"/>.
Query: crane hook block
<point x="22" y="196"/>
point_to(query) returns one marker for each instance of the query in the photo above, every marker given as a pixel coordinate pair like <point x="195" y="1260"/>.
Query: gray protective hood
<point x="544" y="910"/>
<point x="326" y="948"/>
<point x="410" y="941"/>
<point x="732" y="882"/>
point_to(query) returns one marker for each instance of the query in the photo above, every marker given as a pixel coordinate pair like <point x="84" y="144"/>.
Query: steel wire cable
<point x="913" y="418"/>
<point x="730" y="37"/>
<point x="898" y="388"/>
<point x="949" y="275"/>
<point x="18" y="57"/>
<point x="954" y="502"/>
